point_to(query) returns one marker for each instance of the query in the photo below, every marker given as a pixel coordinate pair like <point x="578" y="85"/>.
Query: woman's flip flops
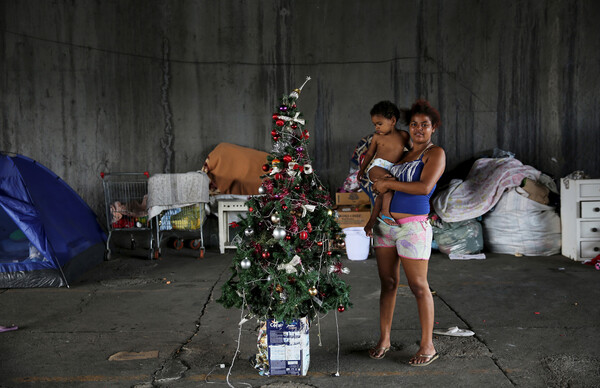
<point x="430" y="358"/>
<point x="381" y="351"/>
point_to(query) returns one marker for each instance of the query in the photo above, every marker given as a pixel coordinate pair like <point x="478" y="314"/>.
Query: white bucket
<point x="357" y="243"/>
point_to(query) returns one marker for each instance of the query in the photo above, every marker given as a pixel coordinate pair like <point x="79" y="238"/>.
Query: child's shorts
<point x="378" y="162"/>
<point x="411" y="237"/>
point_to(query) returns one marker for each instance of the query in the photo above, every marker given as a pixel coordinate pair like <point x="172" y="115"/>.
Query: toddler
<point x="387" y="146"/>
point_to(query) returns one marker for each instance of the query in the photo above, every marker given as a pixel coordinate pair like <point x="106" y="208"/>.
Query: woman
<point x="412" y="180"/>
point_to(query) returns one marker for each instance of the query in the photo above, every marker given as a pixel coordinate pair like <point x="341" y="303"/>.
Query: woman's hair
<point x="422" y="107"/>
<point x="386" y="109"/>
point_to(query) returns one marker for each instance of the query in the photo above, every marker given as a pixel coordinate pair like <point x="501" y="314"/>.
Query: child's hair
<point x="386" y="109"/>
<point x="422" y="107"/>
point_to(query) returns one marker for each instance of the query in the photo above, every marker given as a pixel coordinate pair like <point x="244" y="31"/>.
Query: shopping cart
<point x="126" y="196"/>
<point x="176" y="206"/>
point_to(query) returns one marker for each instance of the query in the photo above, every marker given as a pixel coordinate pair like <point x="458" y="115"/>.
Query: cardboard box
<point x="357" y="198"/>
<point x="352" y="216"/>
<point x="289" y="347"/>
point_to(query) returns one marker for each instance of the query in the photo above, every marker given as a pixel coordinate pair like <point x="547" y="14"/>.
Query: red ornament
<point x="341" y="308"/>
<point x="305" y="134"/>
<point x="275" y="138"/>
<point x="278" y="176"/>
<point x="250" y="209"/>
<point x="294" y="126"/>
<point x="275" y="116"/>
<point x="266" y="167"/>
<point x="329" y="253"/>
<point x="266" y="254"/>
<point x="320" y="243"/>
<point x="273" y="133"/>
<point x="257" y="248"/>
<point x="303" y="235"/>
<point x="288" y="237"/>
<point x="279" y="123"/>
<point x="284" y="207"/>
<point x="287" y="158"/>
<point x="309" y="227"/>
<point x="234" y="224"/>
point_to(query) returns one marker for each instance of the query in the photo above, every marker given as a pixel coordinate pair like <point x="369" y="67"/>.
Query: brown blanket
<point x="235" y="169"/>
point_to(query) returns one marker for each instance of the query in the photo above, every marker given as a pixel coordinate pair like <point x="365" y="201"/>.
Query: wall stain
<point x="167" y="141"/>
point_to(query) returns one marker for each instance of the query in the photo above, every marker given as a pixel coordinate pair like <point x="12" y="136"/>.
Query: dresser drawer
<point x="589" y="190"/>
<point x="590" y="249"/>
<point x="589" y="229"/>
<point x="590" y="209"/>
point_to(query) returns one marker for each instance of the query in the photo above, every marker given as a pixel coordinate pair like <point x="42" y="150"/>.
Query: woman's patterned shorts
<point x="411" y="237"/>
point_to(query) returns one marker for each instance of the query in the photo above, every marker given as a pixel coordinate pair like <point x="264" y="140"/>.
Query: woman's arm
<point x="435" y="163"/>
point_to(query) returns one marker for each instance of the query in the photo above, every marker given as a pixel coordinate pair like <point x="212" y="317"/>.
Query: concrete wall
<point x="113" y="85"/>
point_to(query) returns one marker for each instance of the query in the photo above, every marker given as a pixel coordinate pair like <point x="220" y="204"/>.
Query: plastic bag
<point x="519" y="225"/>
<point x="463" y="237"/>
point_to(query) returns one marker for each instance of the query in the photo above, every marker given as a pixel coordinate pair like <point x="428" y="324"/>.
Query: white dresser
<point x="580" y="218"/>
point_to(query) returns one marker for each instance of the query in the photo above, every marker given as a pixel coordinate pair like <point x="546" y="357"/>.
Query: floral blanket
<point x="352" y="183"/>
<point x="482" y="189"/>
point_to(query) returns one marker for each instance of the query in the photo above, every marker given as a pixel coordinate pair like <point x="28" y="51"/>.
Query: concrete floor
<point x="536" y="322"/>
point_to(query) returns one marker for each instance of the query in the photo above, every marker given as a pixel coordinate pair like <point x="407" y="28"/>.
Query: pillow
<point x="234" y="169"/>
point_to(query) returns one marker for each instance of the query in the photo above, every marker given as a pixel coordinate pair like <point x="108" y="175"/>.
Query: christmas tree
<point x="287" y="263"/>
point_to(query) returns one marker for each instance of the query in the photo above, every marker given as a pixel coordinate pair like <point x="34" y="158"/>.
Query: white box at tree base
<point x="289" y="347"/>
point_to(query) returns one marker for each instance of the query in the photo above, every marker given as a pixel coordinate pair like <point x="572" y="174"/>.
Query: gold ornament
<point x="275" y="218"/>
<point x="312" y="291"/>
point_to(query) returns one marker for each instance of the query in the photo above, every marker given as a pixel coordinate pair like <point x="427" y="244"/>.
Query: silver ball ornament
<point x="262" y="190"/>
<point x="275" y="218"/>
<point x="279" y="233"/>
<point x="249" y="232"/>
<point x="245" y="264"/>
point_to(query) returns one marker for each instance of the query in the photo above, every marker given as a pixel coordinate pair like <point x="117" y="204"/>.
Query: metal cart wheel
<point x="176" y="243"/>
<point x="154" y="254"/>
<point x="194" y="243"/>
<point x="133" y="242"/>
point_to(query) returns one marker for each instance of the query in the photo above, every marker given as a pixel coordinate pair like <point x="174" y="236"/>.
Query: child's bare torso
<point x="390" y="147"/>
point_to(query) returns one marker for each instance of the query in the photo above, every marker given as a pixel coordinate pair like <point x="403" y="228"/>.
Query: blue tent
<point x="48" y="235"/>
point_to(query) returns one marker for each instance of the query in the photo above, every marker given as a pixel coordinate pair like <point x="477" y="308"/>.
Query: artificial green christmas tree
<point x="287" y="263"/>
